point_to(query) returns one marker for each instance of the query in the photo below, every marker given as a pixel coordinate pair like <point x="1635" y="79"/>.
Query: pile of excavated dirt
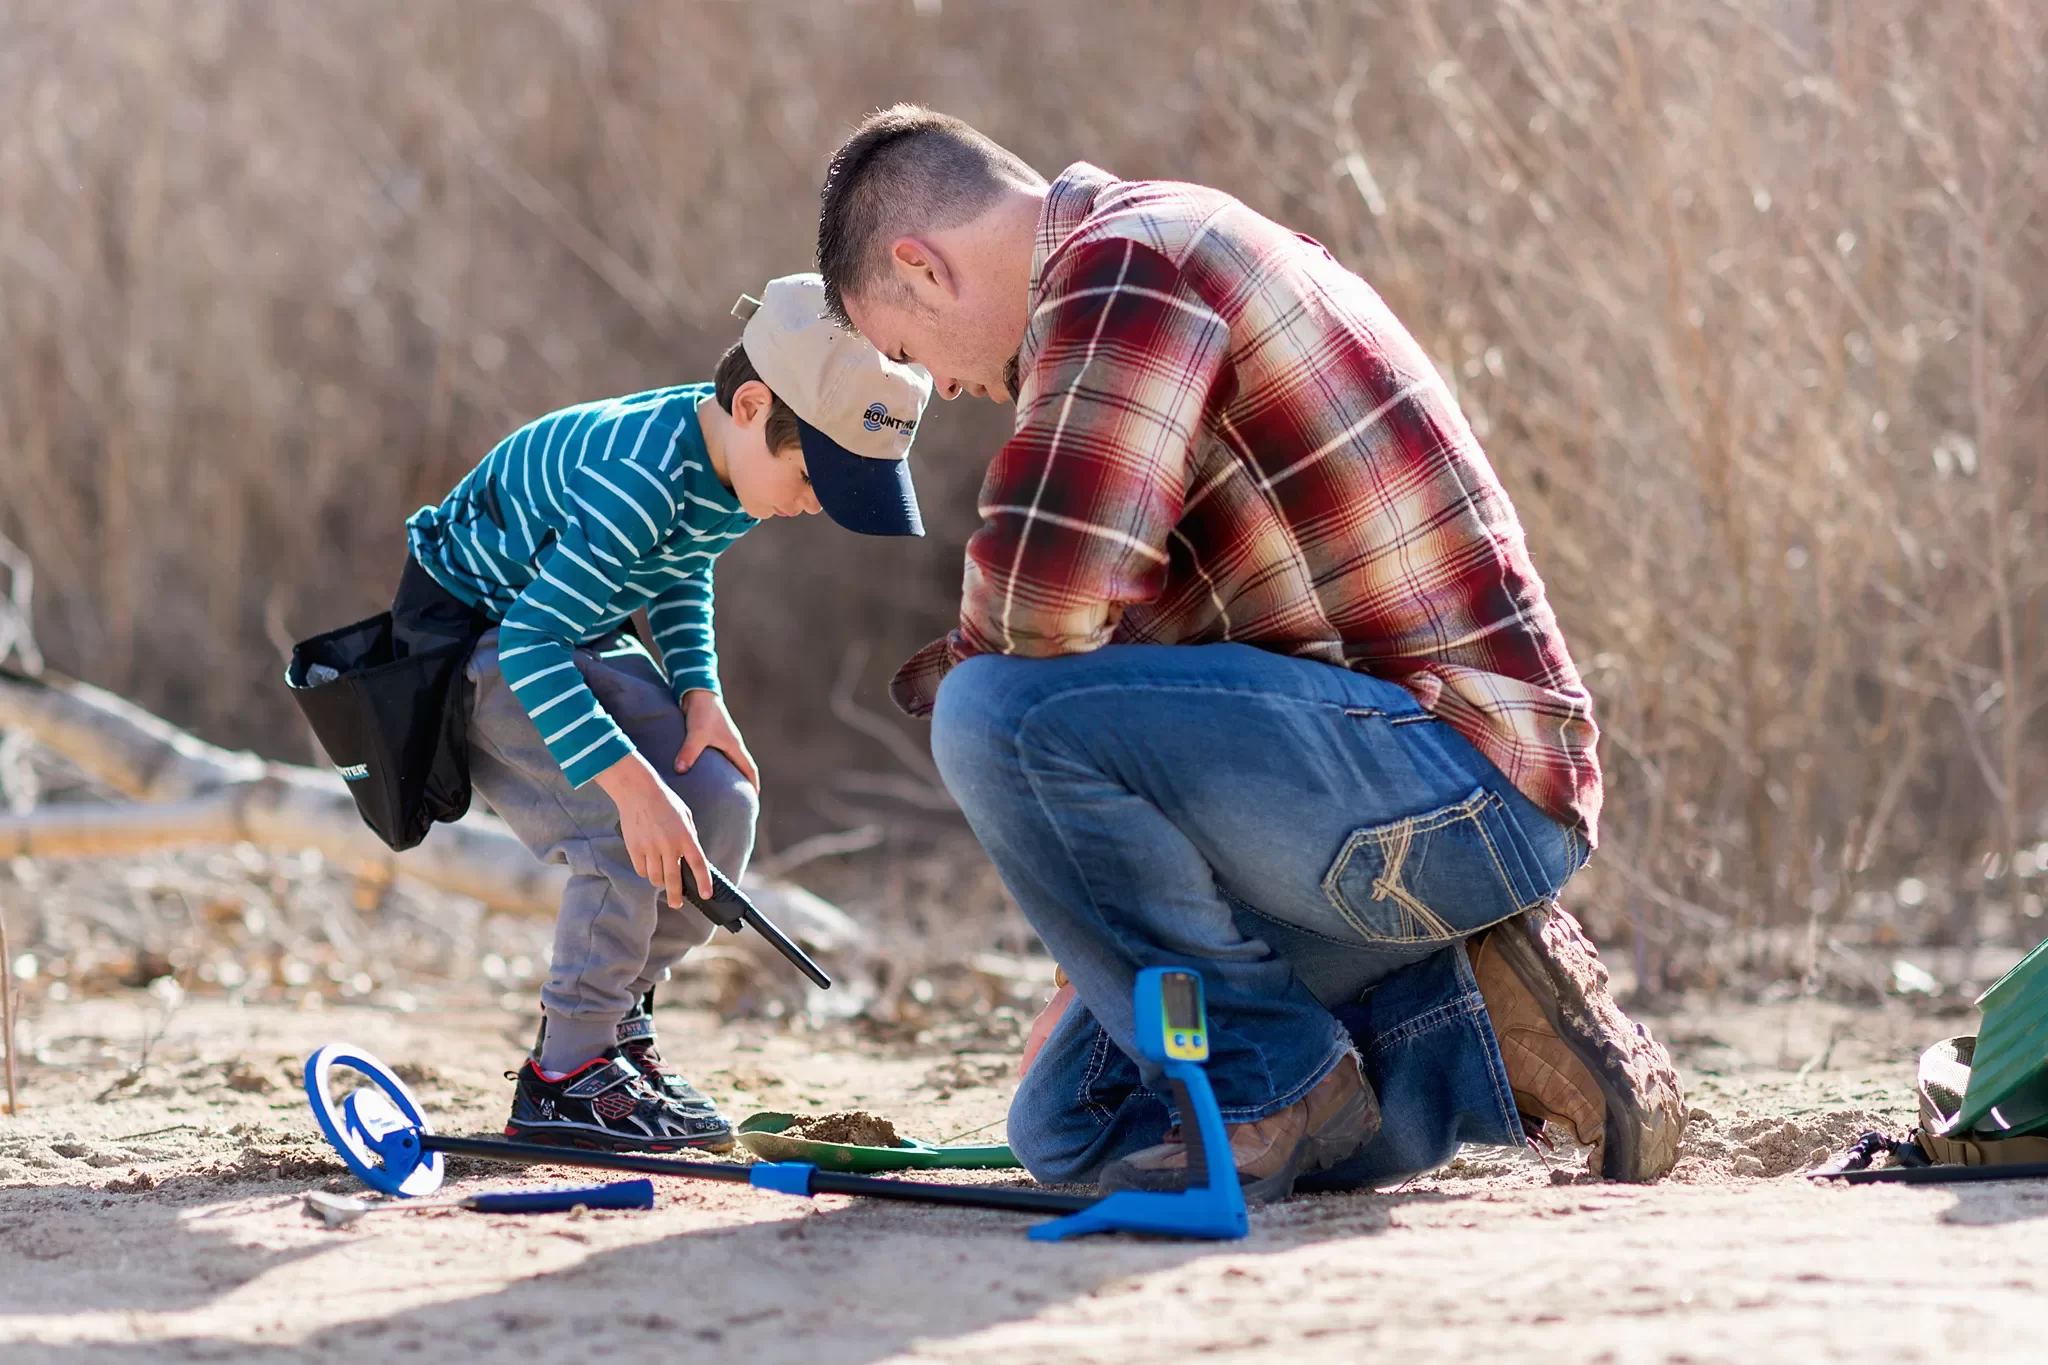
<point x="857" y="1128"/>
<point x="1752" y="1145"/>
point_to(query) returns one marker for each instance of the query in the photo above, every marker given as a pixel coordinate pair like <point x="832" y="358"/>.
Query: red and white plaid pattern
<point x="1224" y="435"/>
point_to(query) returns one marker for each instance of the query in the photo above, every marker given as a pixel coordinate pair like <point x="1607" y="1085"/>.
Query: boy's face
<point x="768" y="483"/>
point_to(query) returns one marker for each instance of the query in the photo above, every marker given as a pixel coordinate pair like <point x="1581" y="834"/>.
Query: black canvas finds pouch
<point x="395" y="721"/>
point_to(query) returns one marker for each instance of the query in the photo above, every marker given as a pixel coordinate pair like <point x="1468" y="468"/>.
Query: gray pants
<point x="616" y="934"/>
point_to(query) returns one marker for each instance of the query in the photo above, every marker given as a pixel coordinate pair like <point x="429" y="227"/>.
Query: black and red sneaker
<point x="607" y="1105"/>
<point x="636" y="1040"/>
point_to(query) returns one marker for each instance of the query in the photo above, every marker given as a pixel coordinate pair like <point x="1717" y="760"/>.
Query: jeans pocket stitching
<point x="1333" y="879"/>
<point x="1418" y="924"/>
<point x="1500" y="866"/>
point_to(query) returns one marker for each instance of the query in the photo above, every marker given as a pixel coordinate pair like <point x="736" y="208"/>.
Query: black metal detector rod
<point x="1940" y="1175"/>
<point x="493" y="1149"/>
<point x="959" y="1196"/>
<point x="817" y="1182"/>
<point x="729" y="907"/>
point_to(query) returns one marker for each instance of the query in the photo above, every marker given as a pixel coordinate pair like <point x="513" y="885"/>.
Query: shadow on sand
<point x="1998" y="1201"/>
<point x="60" y="1252"/>
<point x="835" y="1286"/>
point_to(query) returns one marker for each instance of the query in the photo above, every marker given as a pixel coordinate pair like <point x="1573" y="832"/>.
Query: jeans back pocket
<point x="1434" y="877"/>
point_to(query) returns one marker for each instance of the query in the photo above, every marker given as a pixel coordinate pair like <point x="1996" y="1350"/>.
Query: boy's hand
<point x="661" y="834"/>
<point x="707" y="725"/>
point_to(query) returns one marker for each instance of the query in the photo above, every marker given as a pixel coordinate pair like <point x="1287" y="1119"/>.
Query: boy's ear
<point x="750" y="402"/>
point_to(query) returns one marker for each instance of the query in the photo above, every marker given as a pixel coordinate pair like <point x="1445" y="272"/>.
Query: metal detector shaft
<point x="729" y="907"/>
<point x="1940" y="1175"/>
<point x="494" y="1149"/>
<point x="960" y="1196"/>
<point x="789" y="1178"/>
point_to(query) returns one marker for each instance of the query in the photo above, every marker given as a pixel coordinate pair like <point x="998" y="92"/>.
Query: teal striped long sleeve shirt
<point x="567" y="527"/>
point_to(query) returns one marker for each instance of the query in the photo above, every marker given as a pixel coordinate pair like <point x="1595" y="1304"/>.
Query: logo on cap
<point x="877" y="416"/>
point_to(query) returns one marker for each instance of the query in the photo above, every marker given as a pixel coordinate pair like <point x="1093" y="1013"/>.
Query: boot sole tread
<point x="1641" y="1140"/>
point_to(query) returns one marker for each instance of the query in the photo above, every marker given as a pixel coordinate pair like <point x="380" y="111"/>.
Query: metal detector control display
<point x="1173" y="1033"/>
<point x="1183" y="1024"/>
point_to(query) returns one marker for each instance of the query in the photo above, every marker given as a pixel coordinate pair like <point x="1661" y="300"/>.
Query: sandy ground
<point x="154" y="1215"/>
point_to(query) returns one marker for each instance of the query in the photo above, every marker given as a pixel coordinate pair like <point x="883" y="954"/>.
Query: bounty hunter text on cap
<point x="857" y="410"/>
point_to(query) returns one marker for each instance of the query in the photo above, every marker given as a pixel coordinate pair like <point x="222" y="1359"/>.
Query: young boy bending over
<point x="628" y="770"/>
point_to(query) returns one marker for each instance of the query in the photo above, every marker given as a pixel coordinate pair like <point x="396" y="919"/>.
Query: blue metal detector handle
<point x="1172" y="1030"/>
<point x="620" y="1194"/>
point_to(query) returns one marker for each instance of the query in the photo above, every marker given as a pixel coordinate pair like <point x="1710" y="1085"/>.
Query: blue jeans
<point x="1310" y="839"/>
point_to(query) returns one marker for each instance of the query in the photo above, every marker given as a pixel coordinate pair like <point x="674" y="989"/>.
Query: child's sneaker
<point x="636" y="1044"/>
<point x="636" y="1041"/>
<point x="607" y="1105"/>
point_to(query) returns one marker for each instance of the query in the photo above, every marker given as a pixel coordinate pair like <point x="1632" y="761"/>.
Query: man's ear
<point x="920" y="268"/>
<point x="750" y="401"/>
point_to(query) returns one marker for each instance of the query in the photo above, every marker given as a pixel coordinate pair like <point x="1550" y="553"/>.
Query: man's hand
<point x="1048" y="1019"/>
<point x="707" y="725"/>
<point x="661" y="835"/>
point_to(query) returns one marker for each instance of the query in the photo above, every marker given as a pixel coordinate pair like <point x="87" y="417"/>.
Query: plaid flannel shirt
<point x="1224" y="435"/>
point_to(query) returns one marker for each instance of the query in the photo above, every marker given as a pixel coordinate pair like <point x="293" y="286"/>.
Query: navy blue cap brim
<point x="873" y="497"/>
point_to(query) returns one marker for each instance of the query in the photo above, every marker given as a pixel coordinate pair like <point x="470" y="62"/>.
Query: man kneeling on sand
<point x="1253" y="675"/>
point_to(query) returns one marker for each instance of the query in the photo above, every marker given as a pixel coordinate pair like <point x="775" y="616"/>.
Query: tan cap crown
<point x="831" y="378"/>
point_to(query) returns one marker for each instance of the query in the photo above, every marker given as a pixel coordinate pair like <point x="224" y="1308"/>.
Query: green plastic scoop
<point x="763" y="1136"/>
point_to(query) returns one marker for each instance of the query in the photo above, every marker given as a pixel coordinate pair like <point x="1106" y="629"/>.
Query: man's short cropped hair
<point x="905" y="170"/>
<point x="735" y="369"/>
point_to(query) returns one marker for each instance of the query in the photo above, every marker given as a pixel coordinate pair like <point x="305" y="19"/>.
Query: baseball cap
<point x="857" y="410"/>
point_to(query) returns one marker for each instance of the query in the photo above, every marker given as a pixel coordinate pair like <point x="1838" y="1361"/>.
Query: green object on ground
<point x="2008" y="1088"/>
<point x="762" y="1136"/>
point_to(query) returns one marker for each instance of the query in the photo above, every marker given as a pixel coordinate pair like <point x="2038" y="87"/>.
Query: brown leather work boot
<point x="1573" y="1058"/>
<point x="1332" y="1121"/>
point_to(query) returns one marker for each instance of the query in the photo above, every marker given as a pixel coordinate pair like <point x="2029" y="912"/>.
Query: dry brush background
<point x="1745" y="298"/>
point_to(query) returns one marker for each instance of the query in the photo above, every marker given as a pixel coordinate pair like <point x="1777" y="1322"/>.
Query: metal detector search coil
<point x="377" y="1132"/>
